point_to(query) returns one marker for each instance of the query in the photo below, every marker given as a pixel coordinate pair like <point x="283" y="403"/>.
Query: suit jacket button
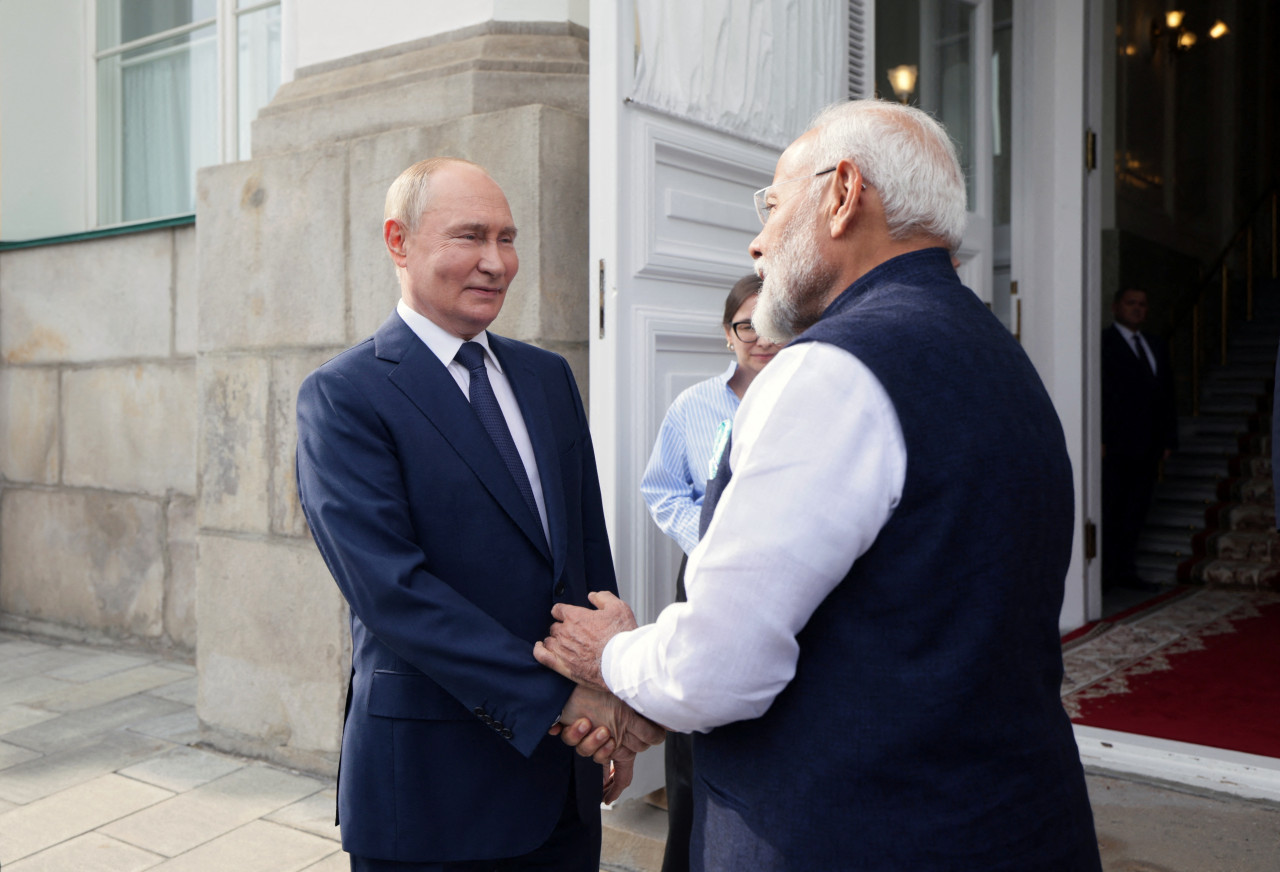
<point x="506" y="734"/>
<point x="560" y="589"/>
<point x="477" y="711"/>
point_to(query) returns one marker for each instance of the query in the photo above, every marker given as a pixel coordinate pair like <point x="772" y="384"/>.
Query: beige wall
<point x="98" y="436"/>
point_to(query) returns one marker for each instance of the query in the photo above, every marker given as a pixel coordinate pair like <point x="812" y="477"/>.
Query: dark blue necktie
<point x="1140" y="348"/>
<point x="471" y="355"/>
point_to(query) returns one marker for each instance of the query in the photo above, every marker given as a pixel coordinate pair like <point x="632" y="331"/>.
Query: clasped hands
<point x="594" y="721"/>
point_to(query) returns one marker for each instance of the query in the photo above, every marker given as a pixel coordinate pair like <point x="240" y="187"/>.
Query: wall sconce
<point x="1179" y="37"/>
<point x="903" y="80"/>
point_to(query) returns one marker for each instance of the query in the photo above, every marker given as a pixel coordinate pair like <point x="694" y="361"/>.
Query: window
<point x="160" y="83"/>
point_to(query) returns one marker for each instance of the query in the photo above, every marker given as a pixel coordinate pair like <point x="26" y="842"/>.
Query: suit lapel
<point x="422" y="378"/>
<point x="537" y="418"/>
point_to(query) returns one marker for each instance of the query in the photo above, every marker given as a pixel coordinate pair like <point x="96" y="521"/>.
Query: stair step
<point x="1171" y="543"/>
<point x="1176" y="516"/>
<point x="1157" y="568"/>
<point x="1194" y="466"/>
<point x="1238" y="575"/>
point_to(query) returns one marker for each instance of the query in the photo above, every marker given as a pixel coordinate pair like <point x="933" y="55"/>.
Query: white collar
<point x="442" y="343"/>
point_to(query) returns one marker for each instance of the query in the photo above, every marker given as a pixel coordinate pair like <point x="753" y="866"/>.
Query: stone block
<point x="287" y="373"/>
<point x="274" y="651"/>
<point x="271" y="250"/>
<point x="131" y="428"/>
<point x="234" y="453"/>
<point x="538" y="155"/>
<point x="180" y="590"/>
<point x="29" y="424"/>
<point x="491" y="67"/>
<point x="185" y="297"/>
<point x="89" y="559"/>
<point x="102" y="299"/>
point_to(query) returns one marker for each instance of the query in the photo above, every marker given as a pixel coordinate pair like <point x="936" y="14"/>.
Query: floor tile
<point x="12" y="755"/>
<point x="114" y="686"/>
<point x="339" y="861"/>
<point x="59" y="770"/>
<point x="28" y="688"/>
<point x="86" y="724"/>
<point x="44" y="823"/>
<point x="182" y="769"/>
<point x="314" y="814"/>
<point x="37" y="663"/>
<point x="213" y="809"/>
<point x="92" y="852"/>
<point x="17" y="717"/>
<point x="183" y="691"/>
<point x="98" y="664"/>
<point x="180" y="727"/>
<point x="13" y="646"/>
<point x="258" y="846"/>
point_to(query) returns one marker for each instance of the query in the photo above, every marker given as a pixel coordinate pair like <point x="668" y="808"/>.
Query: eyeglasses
<point x="764" y="208"/>
<point x="744" y="331"/>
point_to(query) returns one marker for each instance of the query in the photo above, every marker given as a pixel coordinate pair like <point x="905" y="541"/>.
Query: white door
<point x="690" y="108"/>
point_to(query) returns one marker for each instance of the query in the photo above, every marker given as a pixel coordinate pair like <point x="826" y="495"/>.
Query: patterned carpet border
<point x="1099" y="659"/>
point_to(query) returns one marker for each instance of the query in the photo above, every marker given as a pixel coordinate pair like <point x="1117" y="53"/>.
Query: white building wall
<point x="327" y="30"/>
<point x="45" y="148"/>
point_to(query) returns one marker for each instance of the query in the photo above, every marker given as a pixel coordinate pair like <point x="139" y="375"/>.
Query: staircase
<point x="1212" y="519"/>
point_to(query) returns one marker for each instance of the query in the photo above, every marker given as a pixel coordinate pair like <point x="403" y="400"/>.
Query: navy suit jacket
<point x="450" y="581"/>
<point x="1139" y="410"/>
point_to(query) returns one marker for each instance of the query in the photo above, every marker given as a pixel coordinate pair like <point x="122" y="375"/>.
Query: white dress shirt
<point x="1128" y="340"/>
<point x="445" y="345"/>
<point x="819" y="465"/>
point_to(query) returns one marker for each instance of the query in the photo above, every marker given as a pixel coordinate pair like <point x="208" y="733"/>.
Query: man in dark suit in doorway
<point x="1139" y="429"/>
<point x="448" y="478"/>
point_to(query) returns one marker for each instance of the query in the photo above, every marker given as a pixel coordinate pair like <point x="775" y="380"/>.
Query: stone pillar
<point x="292" y="269"/>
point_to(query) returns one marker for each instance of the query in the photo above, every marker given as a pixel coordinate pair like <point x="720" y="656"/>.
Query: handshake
<point x="594" y="721"/>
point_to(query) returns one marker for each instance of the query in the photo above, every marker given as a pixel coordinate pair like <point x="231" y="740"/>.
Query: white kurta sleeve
<point x="818" y="465"/>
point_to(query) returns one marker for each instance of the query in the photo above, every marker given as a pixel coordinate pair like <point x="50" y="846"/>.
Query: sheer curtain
<point x="756" y="68"/>
<point x="157" y="108"/>
<point x="169" y="128"/>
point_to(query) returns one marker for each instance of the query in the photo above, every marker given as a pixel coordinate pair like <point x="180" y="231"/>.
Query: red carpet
<point x="1198" y="666"/>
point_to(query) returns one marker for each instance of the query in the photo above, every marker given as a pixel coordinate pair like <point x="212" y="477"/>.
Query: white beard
<point x="796" y="284"/>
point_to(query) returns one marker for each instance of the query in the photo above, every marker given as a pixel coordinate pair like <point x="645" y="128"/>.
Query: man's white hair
<point x="906" y="156"/>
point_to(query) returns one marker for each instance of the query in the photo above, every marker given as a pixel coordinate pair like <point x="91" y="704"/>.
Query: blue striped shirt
<point x="675" y="480"/>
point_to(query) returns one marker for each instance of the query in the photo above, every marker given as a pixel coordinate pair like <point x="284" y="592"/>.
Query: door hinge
<point x="1090" y="150"/>
<point x="602" y="298"/>
<point x="1090" y="540"/>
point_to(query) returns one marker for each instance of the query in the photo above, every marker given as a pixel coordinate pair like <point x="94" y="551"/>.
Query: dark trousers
<point x="678" y="764"/>
<point x="1127" y="483"/>
<point x="573" y="846"/>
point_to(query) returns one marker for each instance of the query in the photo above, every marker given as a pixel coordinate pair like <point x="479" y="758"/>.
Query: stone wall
<point x="98" y="437"/>
<point x="292" y="270"/>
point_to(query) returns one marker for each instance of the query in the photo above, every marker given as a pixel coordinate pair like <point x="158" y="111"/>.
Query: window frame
<point x="226" y="23"/>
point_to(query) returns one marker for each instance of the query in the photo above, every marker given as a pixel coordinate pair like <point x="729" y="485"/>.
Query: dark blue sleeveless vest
<point x="923" y="729"/>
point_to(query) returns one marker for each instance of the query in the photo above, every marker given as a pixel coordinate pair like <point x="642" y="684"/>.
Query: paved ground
<point x="99" y="773"/>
